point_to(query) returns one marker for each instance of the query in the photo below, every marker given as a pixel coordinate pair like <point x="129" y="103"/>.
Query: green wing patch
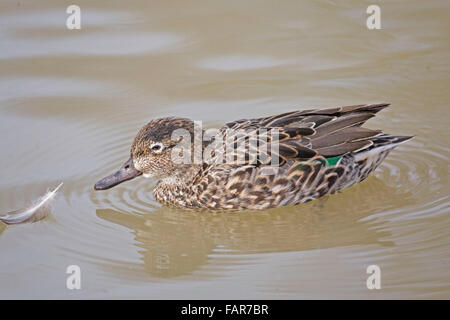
<point x="332" y="161"/>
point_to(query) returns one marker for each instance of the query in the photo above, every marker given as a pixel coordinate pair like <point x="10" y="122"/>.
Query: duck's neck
<point x="184" y="175"/>
<point x="177" y="188"/>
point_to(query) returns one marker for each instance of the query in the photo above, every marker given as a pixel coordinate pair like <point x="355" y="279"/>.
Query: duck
<point x="287" y="158"/>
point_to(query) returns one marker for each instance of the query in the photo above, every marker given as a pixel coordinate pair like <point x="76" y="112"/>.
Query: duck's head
<point x="151" y="152"/>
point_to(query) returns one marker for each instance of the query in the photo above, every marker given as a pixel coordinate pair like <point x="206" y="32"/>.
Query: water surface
<point x="71" y="102"/>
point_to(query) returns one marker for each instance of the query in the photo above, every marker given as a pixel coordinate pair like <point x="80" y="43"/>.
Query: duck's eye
<point x="156" y="147"/>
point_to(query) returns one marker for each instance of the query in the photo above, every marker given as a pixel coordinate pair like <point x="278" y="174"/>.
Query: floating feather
<point x="37" y="211"/>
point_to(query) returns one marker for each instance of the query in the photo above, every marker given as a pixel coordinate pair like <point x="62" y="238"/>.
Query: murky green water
<point x="72" y="100"/>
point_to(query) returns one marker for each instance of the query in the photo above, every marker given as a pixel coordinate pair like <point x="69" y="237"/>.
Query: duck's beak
<point x="126" y="172"/>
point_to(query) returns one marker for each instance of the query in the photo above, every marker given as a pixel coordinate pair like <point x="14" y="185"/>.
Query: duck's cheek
<point x="143" y="165"/>
<point x="148" y="175"/>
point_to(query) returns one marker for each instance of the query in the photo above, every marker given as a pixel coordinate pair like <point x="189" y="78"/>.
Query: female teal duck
<point x="312" y="154"/>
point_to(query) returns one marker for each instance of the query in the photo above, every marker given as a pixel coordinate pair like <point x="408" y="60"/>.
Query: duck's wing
<point x="310" y="118"/>
<point x="302" y="135"/>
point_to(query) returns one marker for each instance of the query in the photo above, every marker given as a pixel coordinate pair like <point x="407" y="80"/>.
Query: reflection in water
<point x="176" y="242"/>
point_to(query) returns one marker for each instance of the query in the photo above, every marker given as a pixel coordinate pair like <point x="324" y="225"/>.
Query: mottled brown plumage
<point x="316" y="152"/>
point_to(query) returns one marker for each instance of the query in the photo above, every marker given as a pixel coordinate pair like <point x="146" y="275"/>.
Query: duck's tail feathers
<point x="383" y="143"/>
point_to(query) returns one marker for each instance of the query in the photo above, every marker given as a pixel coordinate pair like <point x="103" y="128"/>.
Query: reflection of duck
<point x="317" y="152"/>
<point x="179" y="242"/>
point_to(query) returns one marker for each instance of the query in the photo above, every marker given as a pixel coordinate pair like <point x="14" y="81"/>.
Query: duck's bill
<point x="125" y="173"/>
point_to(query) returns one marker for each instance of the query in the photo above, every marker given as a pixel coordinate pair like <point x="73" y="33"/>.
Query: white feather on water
<point x="39" y="210"/>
